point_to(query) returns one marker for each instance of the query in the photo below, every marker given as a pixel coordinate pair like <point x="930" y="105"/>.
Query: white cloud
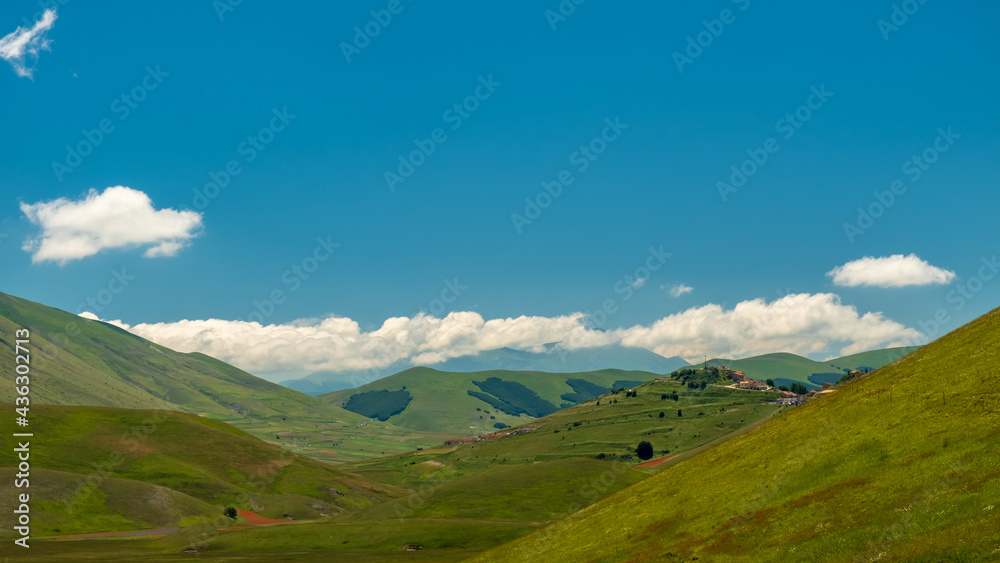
<point x="802" y="324"/>
<point x="680" y="289"/>
<point x="23" y="43"/>
<point x="892" y="271"/>
<point x="639" y="282"/>
<point x="119" y="217"/>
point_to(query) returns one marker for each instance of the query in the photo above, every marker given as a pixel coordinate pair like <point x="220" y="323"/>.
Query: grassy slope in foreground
<point x="441" y="402"/>
<point x="162" y="468"/>
<point x="897" y="466"/>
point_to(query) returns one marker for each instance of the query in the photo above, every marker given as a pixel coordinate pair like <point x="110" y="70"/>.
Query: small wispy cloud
<point x="890" y="271"/>
<point x="23" y="44"/>
<point x="639" y="282"/>
<point x="679" y="289"/>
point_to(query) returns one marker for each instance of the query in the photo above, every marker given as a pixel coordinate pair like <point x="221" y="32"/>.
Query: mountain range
<point x="552" y="358"/>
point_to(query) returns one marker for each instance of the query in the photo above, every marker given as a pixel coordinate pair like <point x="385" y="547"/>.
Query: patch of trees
<point x="821" y="378"/>
<point x="697" y="378"/>
<point x="500" y="426"/>
<point x="644" y="450"/>
<point x="584" y="390"/>
<point x="798" y="389"/>
<point x="379" y="404"/>
<point x="512" y="398"/>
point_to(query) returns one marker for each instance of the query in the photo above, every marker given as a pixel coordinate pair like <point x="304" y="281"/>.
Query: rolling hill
<point x="898" y="465"/>
<point x="474" y="403"/>
<point x="785" y="368"/>
<point x="553" y="358"/>
<point x="77" y="361"/>
<point x="473" y="496"/>
<point x="100" y="469"/>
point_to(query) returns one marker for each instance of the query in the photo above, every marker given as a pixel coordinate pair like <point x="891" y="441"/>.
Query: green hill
<point x="76" y="361"/>
<point x="467" y="404"/>
<point x="99" y="469"/>
<point x="899" y="465"/>
<point x="474" y="496"/>
<point x="785" y="368"/>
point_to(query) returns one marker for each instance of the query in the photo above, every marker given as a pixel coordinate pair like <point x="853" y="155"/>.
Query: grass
<point x="553" y="469"/>
<point x="460" y="500"/>
<point x="441" y="403"/>
<point x="98" y="469"/>
<point x="895" y="466"/>
<point x="440" y="540"/>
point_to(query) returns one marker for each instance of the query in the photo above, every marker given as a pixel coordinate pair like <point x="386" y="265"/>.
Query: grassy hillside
<point x="76" y="361"/>
<point x="155" y="468"/>
<point x="603" y="430"/>
<point x="441" y="401"/>
<point x="786" y="369"/>
<point x="899" y="465"/>
<point x="468" y="498"/>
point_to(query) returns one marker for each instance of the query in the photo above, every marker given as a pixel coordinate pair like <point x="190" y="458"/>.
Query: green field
<point x="896" y="466"/>
<point x="452" y="500"/>
<point x="442" y="403"/>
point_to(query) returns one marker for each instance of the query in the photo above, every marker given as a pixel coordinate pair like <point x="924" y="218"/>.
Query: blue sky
<point x="207" y="83"/>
